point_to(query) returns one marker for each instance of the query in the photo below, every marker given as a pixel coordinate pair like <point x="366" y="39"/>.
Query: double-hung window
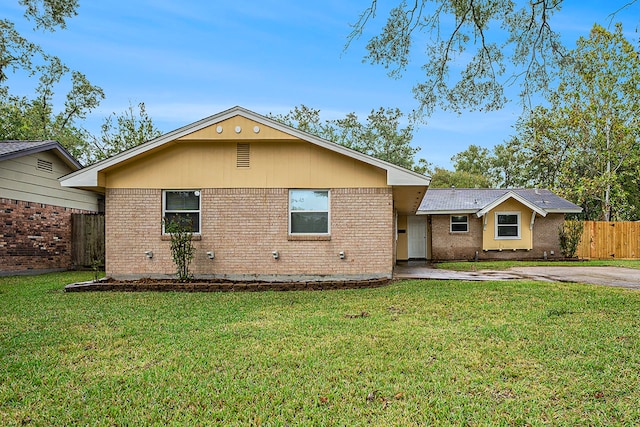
<point x="182" y="207"/>
<point x="309" y="212"/>
<point x="459" y="223"/>
<point x="508" y="225"/>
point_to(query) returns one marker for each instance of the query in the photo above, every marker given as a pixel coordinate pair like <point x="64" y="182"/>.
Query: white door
<point x="417" y="236"/>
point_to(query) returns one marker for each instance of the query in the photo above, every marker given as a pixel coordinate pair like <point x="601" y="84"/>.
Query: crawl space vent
<point x="243" y="158"/>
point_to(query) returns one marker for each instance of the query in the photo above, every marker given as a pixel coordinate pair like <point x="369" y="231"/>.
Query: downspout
<point x="533" y="220"/>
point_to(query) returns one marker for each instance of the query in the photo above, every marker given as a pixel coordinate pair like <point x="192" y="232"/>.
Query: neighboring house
<point x="266" y="201"/>
<point x="35" y="210"/>
<point x="461" y="223"/>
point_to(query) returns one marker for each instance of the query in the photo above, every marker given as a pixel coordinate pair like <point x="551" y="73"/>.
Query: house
<point x="35" y="210"/>
<point x="266" y="202"/>
<point x="462" y="223"/>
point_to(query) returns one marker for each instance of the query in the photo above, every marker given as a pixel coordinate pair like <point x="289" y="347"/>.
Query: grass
<point x="504" y="265"/>
<point x="412" y="353"/>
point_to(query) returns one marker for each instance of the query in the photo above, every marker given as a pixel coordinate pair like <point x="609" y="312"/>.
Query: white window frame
<point x="519" y="225"/>
<point x="198" y="211"/>
<point x="328" y="211"/>
<point x="458" y="223"/>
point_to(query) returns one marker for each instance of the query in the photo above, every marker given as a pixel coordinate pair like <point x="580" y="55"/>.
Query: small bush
<point x="182" y="249"/>
<point x="570" y="234"/>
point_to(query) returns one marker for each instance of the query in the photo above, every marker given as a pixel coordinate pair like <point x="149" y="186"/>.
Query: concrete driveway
<point x="606" y="276"/>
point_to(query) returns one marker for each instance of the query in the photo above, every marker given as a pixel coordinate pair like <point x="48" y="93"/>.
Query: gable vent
<point x="44" y="165"/>
<point x="243" y="158"/>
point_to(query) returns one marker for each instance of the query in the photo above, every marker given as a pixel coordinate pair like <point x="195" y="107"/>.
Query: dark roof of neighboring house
<point x="15" y="149"/>
<point x="481" y="200"/>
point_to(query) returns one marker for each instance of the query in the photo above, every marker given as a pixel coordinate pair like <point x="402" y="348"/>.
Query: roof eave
<point x="511" y="195"/>
<point x="446" y="212"/>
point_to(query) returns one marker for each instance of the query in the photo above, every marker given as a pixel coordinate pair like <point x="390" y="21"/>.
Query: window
<point x="309" y="211"/>
<point x="182" y="206"/>
<point x="507" y="225"/>
<point x="459" y="223"/>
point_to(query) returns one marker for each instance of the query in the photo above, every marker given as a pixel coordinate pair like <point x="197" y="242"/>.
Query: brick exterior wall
<point x="34" y="236"/>
<point x="244" y="226"/>
<point x="461" y="246"/>
<point x="447" y="246"/>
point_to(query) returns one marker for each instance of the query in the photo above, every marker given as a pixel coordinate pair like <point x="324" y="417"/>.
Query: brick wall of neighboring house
<point x="244" y="226"/>
<point x="450" y="246"/>
<point x="34" y="236"/>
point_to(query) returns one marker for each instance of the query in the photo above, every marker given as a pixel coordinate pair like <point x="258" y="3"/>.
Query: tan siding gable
<point x="21" y="179"/>
<point x="237" y="128"/>
<point x="526" y="234"/>
<point x="274" y="164"/>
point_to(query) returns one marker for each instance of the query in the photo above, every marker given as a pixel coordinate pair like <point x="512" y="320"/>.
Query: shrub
<point x="570" y="234"/>
<point x="182" y="248"/>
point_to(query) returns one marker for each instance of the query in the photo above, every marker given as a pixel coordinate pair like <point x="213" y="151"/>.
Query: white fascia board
<point x="88" y="177"/>
<point x="570" y="210"/>
<point x="507" y="196"/>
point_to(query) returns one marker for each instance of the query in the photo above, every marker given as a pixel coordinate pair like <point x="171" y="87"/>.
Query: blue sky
<point x="189" y="59"/>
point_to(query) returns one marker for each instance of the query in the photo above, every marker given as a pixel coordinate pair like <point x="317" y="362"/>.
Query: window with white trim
<point x="459" y="223"/>
<point x="309" y="212"/>
<point x="507" y="225"/>
<point x="182" y="206"/>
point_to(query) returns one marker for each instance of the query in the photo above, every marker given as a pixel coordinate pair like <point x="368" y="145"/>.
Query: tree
<point x="474" y="160"/>
<point x="124" y="131"/>
<point x="380" y="136"/>
<point x="443" y="178"/>
<point x="586" y="143"/>
<point x="450" y="31"/>
<point x="16" y="52"/>
<point x="36" y="118"/>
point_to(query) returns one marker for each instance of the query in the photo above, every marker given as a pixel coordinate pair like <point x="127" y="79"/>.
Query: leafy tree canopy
<point x="46" y="116"/>
<point x="380" y="136"/>
<point x="469" y="50"/>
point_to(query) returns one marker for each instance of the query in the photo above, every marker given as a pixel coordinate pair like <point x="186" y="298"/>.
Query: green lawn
<point x="412" y="353"/>
<point x="504" y="265"/>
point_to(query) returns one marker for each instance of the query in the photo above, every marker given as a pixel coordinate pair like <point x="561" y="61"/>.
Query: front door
<point x="417" y="236"/>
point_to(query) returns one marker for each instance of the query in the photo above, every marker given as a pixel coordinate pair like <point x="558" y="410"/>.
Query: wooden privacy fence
<point x="87" y="240"/>
<point x="610" y="240"/>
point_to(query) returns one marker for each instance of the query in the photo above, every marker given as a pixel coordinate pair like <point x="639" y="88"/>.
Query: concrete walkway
<point x="605" y="276"/>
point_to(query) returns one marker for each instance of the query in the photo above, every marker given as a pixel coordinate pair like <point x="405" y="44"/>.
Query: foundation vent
<point x="243" y="155"/>
<point x="44" y="165"/>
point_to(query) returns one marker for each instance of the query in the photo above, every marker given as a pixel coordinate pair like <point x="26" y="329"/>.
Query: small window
<point x="459" y="223"/>
<point x="507" y="225"/>
<point x="182" y="206"/>
<point x="309" y="211"/>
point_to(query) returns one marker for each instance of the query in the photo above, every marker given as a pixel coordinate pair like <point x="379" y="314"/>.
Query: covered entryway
<point x="417" y="237"/>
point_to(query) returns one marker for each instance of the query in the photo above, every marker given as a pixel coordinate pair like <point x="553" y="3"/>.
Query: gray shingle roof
<point x="14" y="149"/>
<point x="472" y="200"/>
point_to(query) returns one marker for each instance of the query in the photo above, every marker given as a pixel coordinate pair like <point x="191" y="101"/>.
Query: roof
<point x="15" y="149"/>
<point x="479" y="201"/>
<point x="396" y="175"/>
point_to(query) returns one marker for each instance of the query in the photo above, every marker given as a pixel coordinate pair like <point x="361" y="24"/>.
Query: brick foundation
<point x="34" y="236"/>
<point x="244" y="226"/>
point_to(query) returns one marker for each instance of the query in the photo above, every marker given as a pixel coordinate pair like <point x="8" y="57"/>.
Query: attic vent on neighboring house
<point x="243" y="158"/>
<point x="44" y="165"/>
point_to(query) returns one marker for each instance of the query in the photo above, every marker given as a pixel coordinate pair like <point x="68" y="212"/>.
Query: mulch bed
<point x="146" y="285"/>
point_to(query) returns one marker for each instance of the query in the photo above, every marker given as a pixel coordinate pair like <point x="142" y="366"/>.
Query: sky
<point x="189" y="59"/>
